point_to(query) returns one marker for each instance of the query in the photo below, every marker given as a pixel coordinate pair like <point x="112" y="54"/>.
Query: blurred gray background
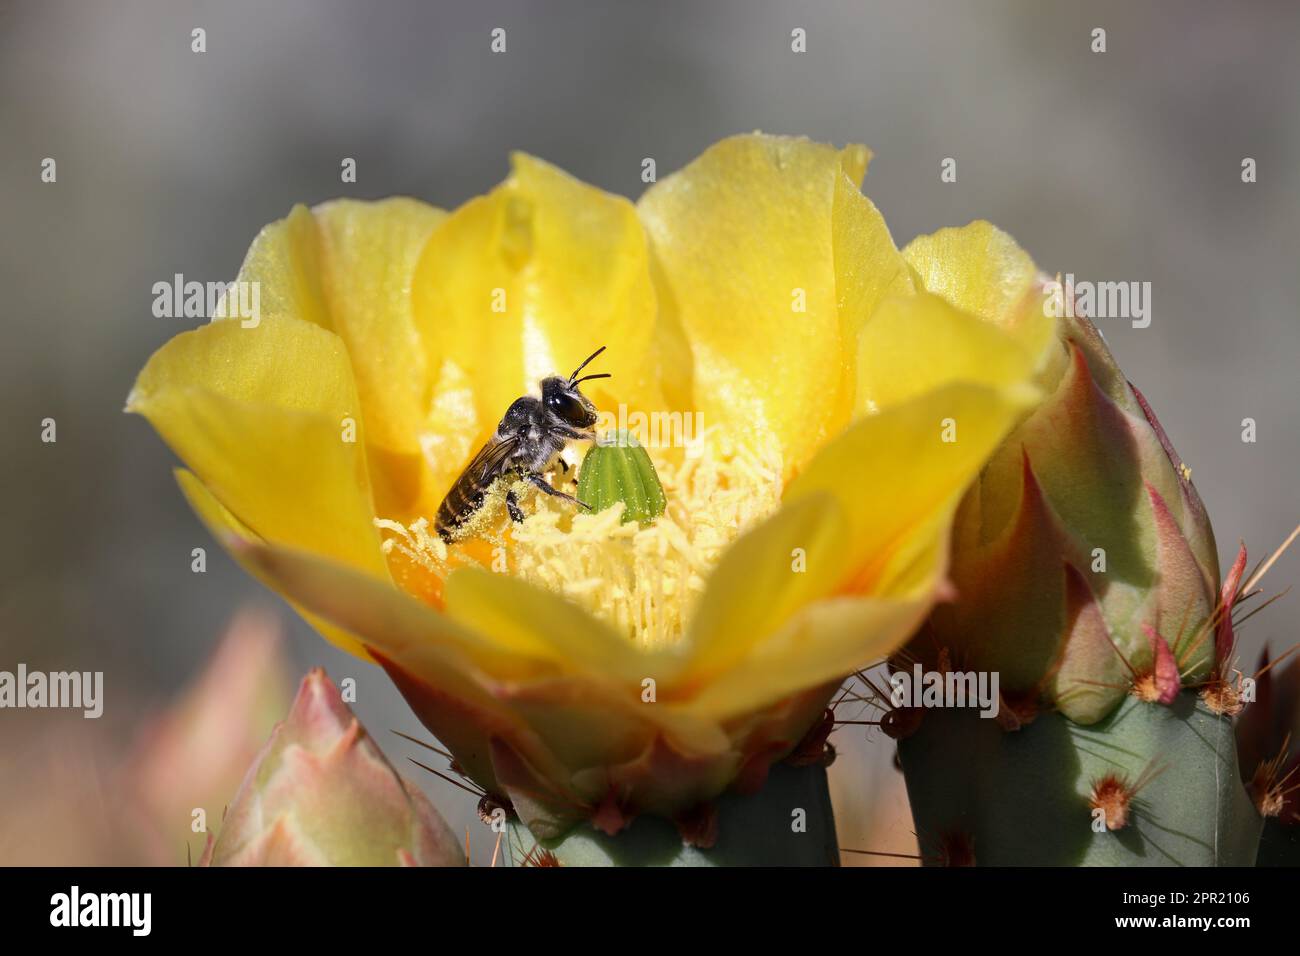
<point x="1115" y="166"/>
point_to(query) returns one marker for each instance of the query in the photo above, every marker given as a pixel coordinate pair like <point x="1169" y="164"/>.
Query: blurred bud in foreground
<point x="189" y="760"/>
<point x="321" y="793"/>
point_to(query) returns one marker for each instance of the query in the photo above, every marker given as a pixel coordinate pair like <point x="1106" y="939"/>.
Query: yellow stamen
<point x="414" y="541"/>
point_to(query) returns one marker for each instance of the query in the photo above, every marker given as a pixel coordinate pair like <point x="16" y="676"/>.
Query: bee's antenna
<point x="588" y="378"/>
<point x="573" y="379"/>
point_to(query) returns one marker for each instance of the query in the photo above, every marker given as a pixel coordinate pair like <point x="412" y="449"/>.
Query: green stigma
<point x="616" y="469"/>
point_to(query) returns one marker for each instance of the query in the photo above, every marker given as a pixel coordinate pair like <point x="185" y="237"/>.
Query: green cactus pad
<point x="1021" y="797"/>
<point x="616" y="469"/>
<point x="753" y="830"/>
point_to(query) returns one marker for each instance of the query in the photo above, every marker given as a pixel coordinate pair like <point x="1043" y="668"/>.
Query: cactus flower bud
<point x="1084" y="564"/>
<point x="1085" y="577"/>
<point x="196" y="752"/>
<point x="321" y="793"/>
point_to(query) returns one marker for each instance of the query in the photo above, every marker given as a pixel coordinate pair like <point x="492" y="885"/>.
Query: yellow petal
<point x="871" y="515"/>
<point x="914" y="345"/>
<point x="450" y="674"/>
<point x="531" y="279"/>
<point x="759" y="584"/>
<point x="284" y="260"/>
<point x="821" y="643"/>
<point x="542" y="686"/>
<point x="747" y="263"/>
<point x="893" y="472"/>
<point x="392" y="622"/>
<point x="348" y="266"/>
<point x="369" y="252"/>
<point x="543" y="623"/>
<point x="868" y="269"/>
<point x="981" y="270"/>
<point x="223" y="525"/>
<point x="262" y="416"/>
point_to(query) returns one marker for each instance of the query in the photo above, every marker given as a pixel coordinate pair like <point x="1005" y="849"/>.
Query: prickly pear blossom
<point x="321" y="793"/>
<point x="577" y="666"/>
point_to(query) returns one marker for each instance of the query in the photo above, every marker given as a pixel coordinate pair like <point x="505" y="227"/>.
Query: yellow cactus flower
<point x="580" y="666"/>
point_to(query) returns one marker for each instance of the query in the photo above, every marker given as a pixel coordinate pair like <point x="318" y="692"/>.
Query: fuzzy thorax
<point x="642" y="581"/>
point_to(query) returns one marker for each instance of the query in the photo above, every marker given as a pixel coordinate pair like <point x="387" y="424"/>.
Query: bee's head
<point x="562" y="398"/>
<point x="564" y="401"/>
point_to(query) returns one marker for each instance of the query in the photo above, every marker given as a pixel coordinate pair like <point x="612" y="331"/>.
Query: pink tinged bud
<point x="194" y="754"/>
<point x="1182" y="598"/>
<point x="1091" y="672"/>
<point x="1083" y="529"/>
<point x="1162" y="683"/>
<point x="1196" y="522"/>
<point x="321" y="793"/>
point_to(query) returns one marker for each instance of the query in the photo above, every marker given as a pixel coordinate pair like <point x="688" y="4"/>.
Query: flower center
<point x="642" y="581"/>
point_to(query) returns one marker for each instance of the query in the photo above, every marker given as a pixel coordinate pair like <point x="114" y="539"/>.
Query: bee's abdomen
<point x="464" y="498"/>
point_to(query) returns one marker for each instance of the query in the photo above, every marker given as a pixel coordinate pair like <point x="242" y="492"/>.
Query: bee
<point x="525" y="446"/>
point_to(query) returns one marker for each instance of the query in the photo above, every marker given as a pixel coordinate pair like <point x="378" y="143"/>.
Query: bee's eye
<point x="562" y="404"/>
<point x="567" y="407"/>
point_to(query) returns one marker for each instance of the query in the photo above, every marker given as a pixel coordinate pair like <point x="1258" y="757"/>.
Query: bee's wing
<point x="491" y="460"/>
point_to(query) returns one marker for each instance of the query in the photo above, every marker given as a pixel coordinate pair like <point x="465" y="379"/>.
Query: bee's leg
<point x="512" y="505"/>
<point x="567" y="471"/>
<point x="542" y="485"/>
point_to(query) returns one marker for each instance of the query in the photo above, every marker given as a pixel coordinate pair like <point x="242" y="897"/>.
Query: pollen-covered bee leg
<point x="567" y="472"/>
<point x="512" y="505"/>
<point x="542" y="484"/>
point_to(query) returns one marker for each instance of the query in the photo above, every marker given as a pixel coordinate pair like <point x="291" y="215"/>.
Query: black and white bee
<point x="526" y="444"/>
